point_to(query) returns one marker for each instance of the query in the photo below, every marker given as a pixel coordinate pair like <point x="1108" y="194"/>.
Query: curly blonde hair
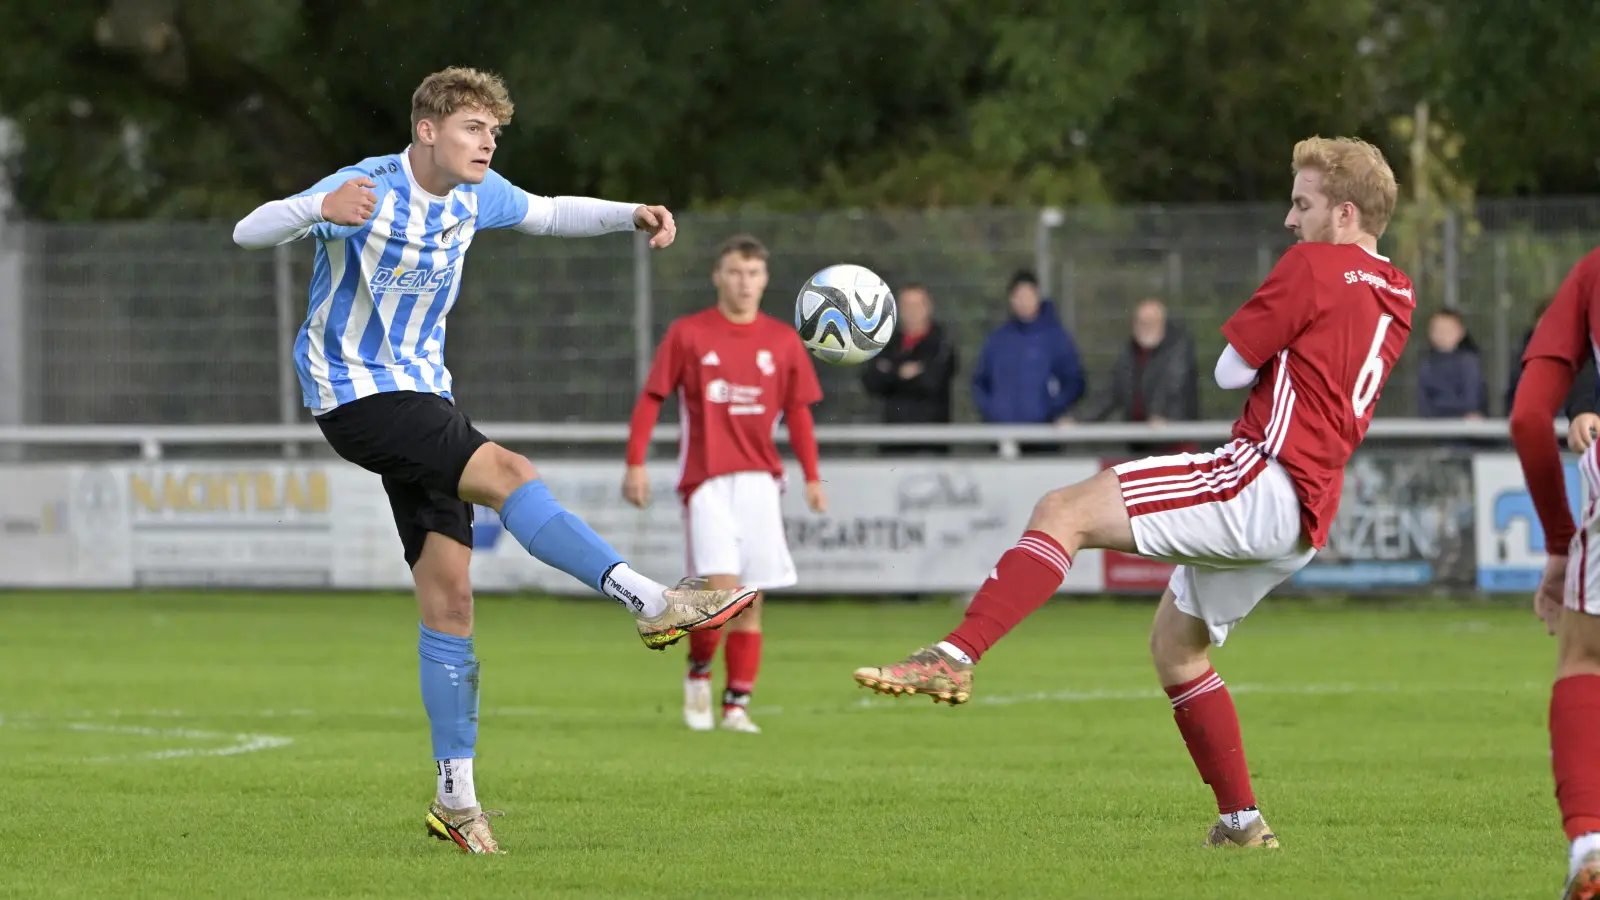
<point x="445" y="93"/>
<point x="1353" y="171"/>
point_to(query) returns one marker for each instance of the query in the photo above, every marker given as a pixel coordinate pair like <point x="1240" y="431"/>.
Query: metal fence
<point x="170" y="323"/>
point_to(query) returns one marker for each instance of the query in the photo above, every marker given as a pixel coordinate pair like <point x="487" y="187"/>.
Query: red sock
<point x="1575" y="752"/>
<point x="1210" y="728"/>
<point x="743" y="657"/>
<point x="1026" y="576"/>
<point x="702" y="649"/>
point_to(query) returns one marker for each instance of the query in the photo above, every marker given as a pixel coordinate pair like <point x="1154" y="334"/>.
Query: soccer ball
<point x="845" y="314"/>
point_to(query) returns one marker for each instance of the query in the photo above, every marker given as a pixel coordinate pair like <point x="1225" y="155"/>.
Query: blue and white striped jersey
<point x="380" y="292"/>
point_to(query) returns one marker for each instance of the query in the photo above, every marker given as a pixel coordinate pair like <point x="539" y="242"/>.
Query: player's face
<point x="1312" y="217"/>
<point x="463" y="144"/>
<point x="1025" y="302"/>
<point x="740" y="281"/>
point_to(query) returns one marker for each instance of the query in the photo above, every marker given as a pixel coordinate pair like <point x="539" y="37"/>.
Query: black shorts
<point x="420" y="444"/>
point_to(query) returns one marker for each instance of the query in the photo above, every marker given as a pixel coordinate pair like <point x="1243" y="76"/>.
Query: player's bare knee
<point x="1579" y="642"/>
<point x="445" y="596"/>
<point x="493" y="474"/>
<point x="1056" y="513"/>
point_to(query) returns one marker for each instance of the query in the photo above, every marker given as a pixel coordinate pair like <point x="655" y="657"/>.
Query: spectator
<point x="914" y="371"/>
<point x="1154" y="379"/>
<point x="1029" y="370"/>
<point x="1450" y="381"/>
<point x="1585" y="393"/>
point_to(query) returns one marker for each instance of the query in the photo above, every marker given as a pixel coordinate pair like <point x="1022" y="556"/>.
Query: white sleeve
<point x="279" y="222"/>
<point x="575" y="216"/>
<point x="1232" y="371"/>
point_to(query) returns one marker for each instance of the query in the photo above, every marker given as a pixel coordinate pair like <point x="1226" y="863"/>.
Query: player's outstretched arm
<point x="589" y="217"/>
<point x="349" y="205"/>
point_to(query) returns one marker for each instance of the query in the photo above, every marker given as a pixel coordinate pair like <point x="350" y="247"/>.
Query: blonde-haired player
<point x="1314" y="345"/>
<point x="392" y="233"/>
<point x="735" y="371"/>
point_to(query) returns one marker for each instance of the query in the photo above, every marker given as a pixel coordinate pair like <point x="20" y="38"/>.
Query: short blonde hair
<point x="1353" y="171"/>
<point x="447" y="92"/>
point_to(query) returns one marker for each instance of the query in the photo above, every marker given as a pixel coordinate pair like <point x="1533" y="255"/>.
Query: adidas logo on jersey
<point x="710" y="359"/>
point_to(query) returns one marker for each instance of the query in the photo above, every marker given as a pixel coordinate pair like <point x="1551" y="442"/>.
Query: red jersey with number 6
<point x="1323" y="331"/>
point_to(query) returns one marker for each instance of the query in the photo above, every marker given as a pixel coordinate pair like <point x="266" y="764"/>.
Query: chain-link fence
<point x="171" y="323"/>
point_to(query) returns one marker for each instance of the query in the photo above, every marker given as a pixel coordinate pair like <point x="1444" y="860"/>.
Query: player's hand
<point x="1583" y="430"/>
<point x="658" y="221"/>
<point x="350" y="203"/>
<point x="910" y="370"/>
<point x="1066" y="420"/>
<point x="1156" y="421"/>
<point x="1547" y="600"/>
<point x="816" y="499"/>
<point x="636" y="486"/>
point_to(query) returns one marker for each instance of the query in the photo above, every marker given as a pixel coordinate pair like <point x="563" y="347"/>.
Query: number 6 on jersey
<point x="1371" y="375"/>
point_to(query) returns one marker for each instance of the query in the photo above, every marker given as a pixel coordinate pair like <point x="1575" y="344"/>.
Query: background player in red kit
<point x="735" y="370"/>
<point x="1568" y="597"/>
<point x="1316" y="341"/>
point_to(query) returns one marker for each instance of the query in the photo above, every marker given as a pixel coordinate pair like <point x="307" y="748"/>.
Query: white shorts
<point x="1230" y="520"/>
<point x="1583" y="555"/>
<point x="734" y="526"/>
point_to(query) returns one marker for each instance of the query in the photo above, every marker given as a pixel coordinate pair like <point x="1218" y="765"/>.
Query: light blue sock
<point x="449" y="692"/>
<point x="556" y="537"/>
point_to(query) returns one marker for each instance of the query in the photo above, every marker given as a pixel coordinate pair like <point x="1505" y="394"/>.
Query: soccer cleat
<point x="697" y="704"/>
<point x="1256" y="834"/>
<point x="928" y="671"/>
<point x="691" y="606"/>
<point x="469" y="828"/>
<point x="738" y="719"/>
<point x="1584" y="883"/>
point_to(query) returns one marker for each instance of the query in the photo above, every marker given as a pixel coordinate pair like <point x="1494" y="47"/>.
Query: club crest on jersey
<point x="764" y="362"/>
<point x="400" y="280"/>
<point x="448" y="236"/>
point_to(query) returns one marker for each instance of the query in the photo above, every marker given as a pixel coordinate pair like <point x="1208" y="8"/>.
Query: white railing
<point x="152" y="440"/>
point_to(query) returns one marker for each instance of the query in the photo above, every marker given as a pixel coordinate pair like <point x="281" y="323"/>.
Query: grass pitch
<point x="274" y="745"/>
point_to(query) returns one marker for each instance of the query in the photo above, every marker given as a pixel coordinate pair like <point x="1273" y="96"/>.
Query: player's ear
<point x="427" y="133"/>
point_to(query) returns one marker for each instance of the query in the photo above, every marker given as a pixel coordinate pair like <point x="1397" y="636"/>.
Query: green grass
<point x="1397" y="753"/>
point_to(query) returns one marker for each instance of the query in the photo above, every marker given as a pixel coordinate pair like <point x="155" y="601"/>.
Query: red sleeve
<point x="643" y="422"/>
<point x="803" y="440"/>
<point x="1540" y="393"/>
<point x="662" y="381"/>
<point x="1563" y="331"/>
<point x="804" y="390"/>
<point x="665" y="368"/>
<point x="1278" y="311"/>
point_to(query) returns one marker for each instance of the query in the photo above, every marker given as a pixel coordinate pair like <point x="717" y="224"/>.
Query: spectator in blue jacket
<point x="1450" y="383"/>
<point x="1029" y="371"/>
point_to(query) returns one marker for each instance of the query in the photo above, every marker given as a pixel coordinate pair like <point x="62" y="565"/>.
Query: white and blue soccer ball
<point x="845" y="314"/>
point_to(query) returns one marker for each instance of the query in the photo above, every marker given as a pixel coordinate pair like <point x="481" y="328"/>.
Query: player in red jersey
<point x="1568" y="596"/>
<point x="1317" y="341"/>
<point x="735" y="370"/>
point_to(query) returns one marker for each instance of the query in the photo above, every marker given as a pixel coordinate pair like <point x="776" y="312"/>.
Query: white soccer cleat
<point x="697" y="704"/>
<point x="738" y="719"/>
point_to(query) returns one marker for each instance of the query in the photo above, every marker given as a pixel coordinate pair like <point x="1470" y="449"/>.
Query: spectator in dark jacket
<point x="1029" y="371"/>
<point x="1154" y="379"/>
<point x="1450" y="381"/>
<point x="913" y="372"/>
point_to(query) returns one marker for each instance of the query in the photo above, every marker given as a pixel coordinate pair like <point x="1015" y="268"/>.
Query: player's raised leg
<point x="508" y="483"/>
<point x="449" y="676"/>
<point x="1180" y="647"/>
<point x="1087" y="515"/>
